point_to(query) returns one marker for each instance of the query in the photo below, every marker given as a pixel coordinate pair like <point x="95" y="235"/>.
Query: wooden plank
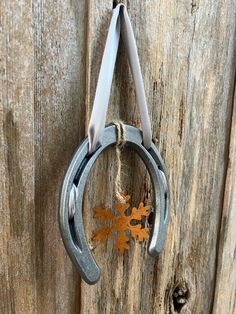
<point x="17" y="246"/>
<point x="186" y="51"/>
<point x="49" y="70"/>
<point x="225" y="292"/>
<point x="59" y="127"/>
<point x="42" y="109"/>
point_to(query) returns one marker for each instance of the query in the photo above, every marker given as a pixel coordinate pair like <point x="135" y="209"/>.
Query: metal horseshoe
<point x="72" y="229"/>
<point x="101" y="137"/>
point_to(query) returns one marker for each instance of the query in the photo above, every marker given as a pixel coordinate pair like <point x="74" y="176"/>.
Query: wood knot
<point x="180" y="296"/>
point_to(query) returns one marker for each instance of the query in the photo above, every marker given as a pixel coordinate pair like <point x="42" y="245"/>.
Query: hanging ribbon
<point x="120" y="26"/>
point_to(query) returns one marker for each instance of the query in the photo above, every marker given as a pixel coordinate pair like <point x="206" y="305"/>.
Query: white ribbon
<point x="120" y="25"/>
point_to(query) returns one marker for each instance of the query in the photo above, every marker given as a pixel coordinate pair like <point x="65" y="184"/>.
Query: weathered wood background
<point x="50" y="55"/>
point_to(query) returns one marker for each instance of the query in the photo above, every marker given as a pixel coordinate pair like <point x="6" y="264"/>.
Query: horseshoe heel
<point x="72" y="229"/>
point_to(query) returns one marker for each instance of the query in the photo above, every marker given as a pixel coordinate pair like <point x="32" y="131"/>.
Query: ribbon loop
<point x="120" y="25"/>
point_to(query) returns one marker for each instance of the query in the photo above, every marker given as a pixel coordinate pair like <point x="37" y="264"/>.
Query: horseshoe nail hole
<point x="150" y="218"/>
<point x="163" y="176"/>
<point x="165" y="211"/>
<point x="180" y="296"/>
<point x="73" y="234"/>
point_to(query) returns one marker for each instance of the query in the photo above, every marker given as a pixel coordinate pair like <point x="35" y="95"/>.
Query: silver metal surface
<point x="72" y="230"/>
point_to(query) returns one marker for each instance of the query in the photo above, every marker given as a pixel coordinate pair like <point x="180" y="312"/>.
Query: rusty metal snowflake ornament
<point x="100" y="138"/>
<point x="123" y="223"/>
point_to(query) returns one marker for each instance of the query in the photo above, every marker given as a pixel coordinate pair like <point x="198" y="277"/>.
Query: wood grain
<point x="49" y="63"/>
<point x="17" y="248"/>
<point x="189" y="91"/>
<point x="58" y="116"/>
<point x="225" y="291"/>
<point x="42" y="93"/>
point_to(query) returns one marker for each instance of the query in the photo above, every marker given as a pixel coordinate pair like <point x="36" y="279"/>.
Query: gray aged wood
<point x="42" y="107"/>
<point x="50" y="55"/>
<point x="189" y="92"/>
<point x="17" y="248"/>
<point x="58" y="112"/>
<point x="225" y="292"/>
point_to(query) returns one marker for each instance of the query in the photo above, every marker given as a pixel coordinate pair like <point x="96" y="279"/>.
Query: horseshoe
<point x="72" y="229"/>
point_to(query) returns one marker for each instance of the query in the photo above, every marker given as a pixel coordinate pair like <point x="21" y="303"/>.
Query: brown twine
<point x="121" y="139"/>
